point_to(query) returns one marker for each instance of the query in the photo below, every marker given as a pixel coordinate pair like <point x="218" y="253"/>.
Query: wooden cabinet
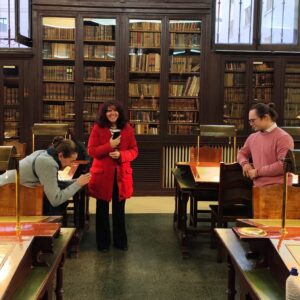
<point x="11" y="100"/>
<point x="291" y="99"/>
<point x="247" y="80"/>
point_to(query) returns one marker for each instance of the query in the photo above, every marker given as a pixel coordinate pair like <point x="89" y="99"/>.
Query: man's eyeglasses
<point x="251" y="121"/>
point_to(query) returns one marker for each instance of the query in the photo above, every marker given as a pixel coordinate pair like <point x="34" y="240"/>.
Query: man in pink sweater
<point x="265" y="148"/>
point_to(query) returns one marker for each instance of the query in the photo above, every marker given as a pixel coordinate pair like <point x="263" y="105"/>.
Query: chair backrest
<point x="205" y="154"/>
<point x="267" y="202"/>
<point x="6" y="161"/>
<point x="31" y="200"/>
<point x="293" y="131"/>
<point x="220" y="131"/>
<point x="20" y="147"/>
<point x="49" y="129"/>
<point x="235" y="189"/>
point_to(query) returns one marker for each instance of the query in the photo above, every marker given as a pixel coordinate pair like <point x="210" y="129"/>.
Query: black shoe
<point x="124" y="248"/>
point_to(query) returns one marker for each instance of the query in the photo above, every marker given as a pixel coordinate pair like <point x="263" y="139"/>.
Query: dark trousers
<point x="102" y="221"/>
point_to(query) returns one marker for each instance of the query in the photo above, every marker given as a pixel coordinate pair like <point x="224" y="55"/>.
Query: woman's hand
<point x="114" y="143"/>
<point x="246" y="169"/>
<point x="84" y="179"/>
<point x="115" y="154"/>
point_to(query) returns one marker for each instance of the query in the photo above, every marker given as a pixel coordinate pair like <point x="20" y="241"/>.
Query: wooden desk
<point x="188" y="180"/>
<point x="260" y="278"/>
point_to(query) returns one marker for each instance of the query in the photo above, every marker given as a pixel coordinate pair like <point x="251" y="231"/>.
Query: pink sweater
<point x="266" y="150"/>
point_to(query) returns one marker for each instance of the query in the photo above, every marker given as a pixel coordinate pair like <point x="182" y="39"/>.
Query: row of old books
<point x="59" y="111"/>
<point x="146" y="103"/>
<point x="263" y="67"/>
<point x="183" y="104"/>
<point x="292" y="80"/>
<point x="144" y="39"/>
<point x="183" y="116"/>
<point x="238" y="123"/>
<point x="144" y="128"/>
<point x="99" y="51"/>
<point x="234" y="95"/>
<point x="99" y="32"/>
<point x="263" y="79"/>
<point x="292" y="68"/>
<point x="143" y="116"/>
<point x="185" y="26"/>
<point x="291" y="110"/>
<point x="11" y="96"/>
<point x="58" y="33"/>
<point x="180" y="129"/>
<point x="92" y="109"/>
<point x="234" y="110"/>
<point x="99" y="73"/>
<point x="11" y="114"/>
<point x="234" y="79"/>
<point x="183" y="64"/>
<point x="292" y="95"/>
<point x="263" y="95"/>
<point x="58" y="51"/>
<point x="235" y="66"/>
<point x="185" y="40"/>
<point x="145" y="62"/>
<point x="149" y="25"/>
<point x="189" y="88"/>
<point x="99" y="92"/>
<point x="64" y="73"/>
<point x="58" y="91"/>
<point x="144" y="89"/>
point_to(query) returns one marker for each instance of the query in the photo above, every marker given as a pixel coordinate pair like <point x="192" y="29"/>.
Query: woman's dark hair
<point x="263" y="109"/>
<point x="64" y="146"/>
<point x="102" y="120"/>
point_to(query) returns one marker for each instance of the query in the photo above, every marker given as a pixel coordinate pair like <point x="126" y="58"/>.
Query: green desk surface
<point x="40" y="276"/>
<point x="34" y="219"/>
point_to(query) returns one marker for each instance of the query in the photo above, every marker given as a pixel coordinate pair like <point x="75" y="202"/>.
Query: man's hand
<point x="246" y="169"/>
<point x="84" y="179"/>
<point x="115" y="154"/>
<point x="252" y="174"/>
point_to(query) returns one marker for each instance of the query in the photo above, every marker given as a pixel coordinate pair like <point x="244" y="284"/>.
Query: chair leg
<point x="195" y="208"/>
<point x="212" y="231"/>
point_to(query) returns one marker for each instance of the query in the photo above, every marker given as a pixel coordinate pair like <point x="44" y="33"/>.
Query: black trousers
<point x="103" y="238"/>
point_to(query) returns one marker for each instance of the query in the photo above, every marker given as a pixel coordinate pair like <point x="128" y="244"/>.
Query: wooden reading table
<point x="191" y="177"/>
<point x="261" y="264"/>
<point x="32" y="256"/>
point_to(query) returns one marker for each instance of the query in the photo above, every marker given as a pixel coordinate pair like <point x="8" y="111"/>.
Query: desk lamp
<point x="292" y="165"/>
<point x="7" y="153"/>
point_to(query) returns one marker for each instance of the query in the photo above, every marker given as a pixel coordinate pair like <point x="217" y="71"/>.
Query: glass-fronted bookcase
<point x="245" y="82"/>
<point x="11" y="100"/>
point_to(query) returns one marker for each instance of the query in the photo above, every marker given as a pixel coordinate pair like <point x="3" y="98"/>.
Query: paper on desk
<point x="208" y="174"/>
<point x="295" y="251"/>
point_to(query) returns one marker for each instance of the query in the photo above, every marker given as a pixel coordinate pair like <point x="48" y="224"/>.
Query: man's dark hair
<point x="263" y="109"/>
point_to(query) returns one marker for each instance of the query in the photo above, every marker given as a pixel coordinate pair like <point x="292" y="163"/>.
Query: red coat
<point x="103" y="167"/>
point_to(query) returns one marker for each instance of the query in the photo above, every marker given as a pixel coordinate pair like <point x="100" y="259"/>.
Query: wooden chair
<point x="234" y="201"/>
<point x="31" y="200"/>
<point x="7" y="161"/>
<point x="49" y="129"/>
<point x="267" y="202"/>
<point x="20" y="147"/>
<point x="206" y="154"/>
<point x="209" y="154"/>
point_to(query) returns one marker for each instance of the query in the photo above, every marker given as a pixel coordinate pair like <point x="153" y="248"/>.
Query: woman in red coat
<point x="111" y="172"/>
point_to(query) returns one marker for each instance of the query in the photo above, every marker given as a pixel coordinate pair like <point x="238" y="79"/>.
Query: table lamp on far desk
<point x="291" y="165"/>
<point x="7" y="155"/>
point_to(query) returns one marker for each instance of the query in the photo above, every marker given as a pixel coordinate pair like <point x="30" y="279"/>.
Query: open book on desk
<point x="68" y="172"/>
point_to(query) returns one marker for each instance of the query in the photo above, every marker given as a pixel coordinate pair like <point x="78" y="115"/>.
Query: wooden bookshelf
<point x="144" y="76"/>
<point x="58" y="70"/>
<point x="11" y="101"/>
<point x="184" y="76"/>
<point x="292" y="94"/>
<point x="99" y="62"/>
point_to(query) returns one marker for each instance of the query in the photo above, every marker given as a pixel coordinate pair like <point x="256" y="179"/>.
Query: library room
<point x="149" y="149"/>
